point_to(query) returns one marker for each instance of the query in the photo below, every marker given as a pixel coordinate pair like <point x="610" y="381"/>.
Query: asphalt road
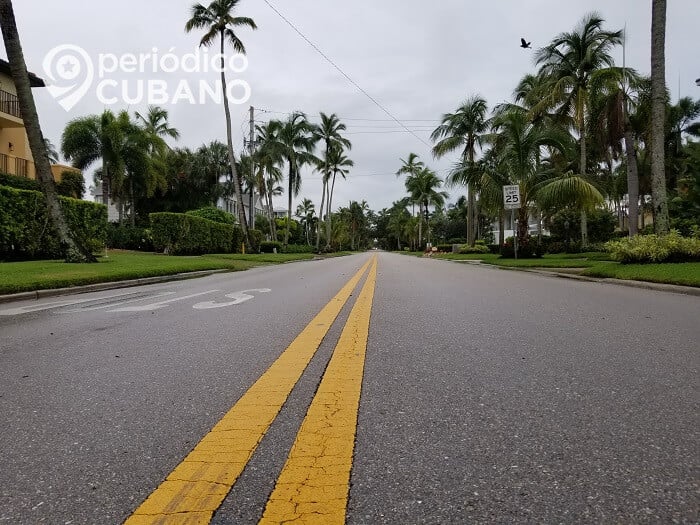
<point x="489" y="396"/>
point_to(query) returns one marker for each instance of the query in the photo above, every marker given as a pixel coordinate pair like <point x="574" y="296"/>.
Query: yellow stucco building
<point x="15" y="154"/>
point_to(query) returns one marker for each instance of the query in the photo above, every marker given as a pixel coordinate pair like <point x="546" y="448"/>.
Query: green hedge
<point x="26" y="231"/>
<point x="187" y="234"/>
<point x="213" y="214"/>
<point x="20" y="183"/>
<point x="270" y="247"/>
<point x="655" y="249"/>
<point x="477" y="248"/>
<point x="299" y="248"/>
<point x="125" y="237"/>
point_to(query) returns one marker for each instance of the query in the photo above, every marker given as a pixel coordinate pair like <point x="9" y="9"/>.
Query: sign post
<point x="511" y="201"/>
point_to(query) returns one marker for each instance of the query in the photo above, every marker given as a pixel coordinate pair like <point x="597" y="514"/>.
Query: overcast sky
<point x="417" y="59"/>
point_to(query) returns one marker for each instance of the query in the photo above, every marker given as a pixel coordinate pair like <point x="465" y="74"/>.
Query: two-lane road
<point x="486" y="396"/>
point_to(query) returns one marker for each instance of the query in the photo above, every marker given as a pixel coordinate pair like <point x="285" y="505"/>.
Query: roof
<point x="34" y="80"/>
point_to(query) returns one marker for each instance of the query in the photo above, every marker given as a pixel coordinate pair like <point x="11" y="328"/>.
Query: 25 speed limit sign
<point x="511" y="197"/>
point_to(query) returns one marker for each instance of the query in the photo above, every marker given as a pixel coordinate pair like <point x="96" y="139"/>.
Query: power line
<point x="370" y="97"/>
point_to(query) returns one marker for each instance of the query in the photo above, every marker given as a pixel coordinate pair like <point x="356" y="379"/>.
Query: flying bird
<point x="525" y="45"/>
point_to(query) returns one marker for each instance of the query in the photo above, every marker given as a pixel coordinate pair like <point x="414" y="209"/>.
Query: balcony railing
<point x="14" y="165"/>
<point x="9" y="104"/>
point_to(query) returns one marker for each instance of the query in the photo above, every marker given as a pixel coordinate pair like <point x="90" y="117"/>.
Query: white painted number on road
<point x="238" y="298"/>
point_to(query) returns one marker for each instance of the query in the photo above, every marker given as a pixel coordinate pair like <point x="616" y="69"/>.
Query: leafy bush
<point x="447" y="248"/>
<point x="601" y="225"/>
<point x="26" y="231"/>
<point x="270" y="247"/>
<point x="527" y="249"/>
<point x="129" y="238"/>
<point x="299" y="248"/>
<point x="72" y="185"/>
<point x="655" y="249"/>
<point x="213" y="213"/>
<point x="457" y="240"/>
<point x="256" y="237"/>
<point x="20" y="183"/>
<point x="477" y="248"/>
<point x="187" y="234"/>
<point x="494" y="248"/>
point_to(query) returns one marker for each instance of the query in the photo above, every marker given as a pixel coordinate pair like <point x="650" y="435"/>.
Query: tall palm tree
<point x="658" y="115"/>
<point x="329" y="133"/>
<point x="338" y="164"/>
<point x="411" y="166"/>
<point x="293" y="139"/>
<point x="568" y="64"/>
<point x="219" y="21"/>
<point x="155" y="124"/>
<point x="424" y="189"/>
<point x="463" y="131"/>
<point x="87" y="140"/>
<point x="211" y="166"/>
<point x="75" y="251"/>
<point x="270" y="176"/>
<point x="306" y="213"/>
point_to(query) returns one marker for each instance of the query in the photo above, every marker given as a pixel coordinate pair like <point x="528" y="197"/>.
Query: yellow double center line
<point x="313" y="485"/>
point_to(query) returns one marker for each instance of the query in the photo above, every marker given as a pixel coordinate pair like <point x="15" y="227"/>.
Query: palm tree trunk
<point x="289" y="202"/>
<point x="75" y="252"/>
<point x="632" y="181"/>
<point x="584" y="217"/>
<point x="328" y="211"/>
<point x="420" y="225"/>
<point x="501" y="233"/>
<point x="320" y="216"/>
<point x="132" y="216"/>
<point x="238" y="189"/>
<point x="658" y="116"/>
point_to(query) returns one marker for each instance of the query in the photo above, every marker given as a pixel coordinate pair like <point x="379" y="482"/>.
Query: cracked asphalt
<point x="488" y="396"/>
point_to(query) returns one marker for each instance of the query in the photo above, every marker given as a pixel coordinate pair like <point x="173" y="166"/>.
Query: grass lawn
<point x="687" y="274"/>
<point x="120" y="265"/>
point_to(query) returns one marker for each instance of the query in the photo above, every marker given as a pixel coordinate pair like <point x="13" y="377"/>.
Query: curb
<point x="646" y="285"/>
<point x="55" y="292"/>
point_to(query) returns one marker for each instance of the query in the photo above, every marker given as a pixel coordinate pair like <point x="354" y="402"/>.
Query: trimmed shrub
<point x="655" y="249"/>
<point x="477" y="248"/>
<point x="183" y="234"/>
<point x="527" y="249"/>
<point x="270" y="247"/>
<point x="126" y="237"/>
<point x="447" y="248"/>
<point x="26" y="231"/>
<point x="72" y="185"/>
<point x="299" y="248"/>
<point x="256" y="237"/>
<point x="457" y="240"/>
<point x="20" y="183"/>
<point x="213" y="214"/>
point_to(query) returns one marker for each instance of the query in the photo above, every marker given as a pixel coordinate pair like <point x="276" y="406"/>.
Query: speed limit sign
<point x="511" y="197"/>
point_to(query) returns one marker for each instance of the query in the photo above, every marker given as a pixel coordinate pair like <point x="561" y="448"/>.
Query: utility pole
<point x="251" y="150"/>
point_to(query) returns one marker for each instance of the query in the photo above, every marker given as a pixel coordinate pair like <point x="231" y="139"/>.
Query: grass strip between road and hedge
<point x="118" y="265"/>
<point x="595" y="264"/>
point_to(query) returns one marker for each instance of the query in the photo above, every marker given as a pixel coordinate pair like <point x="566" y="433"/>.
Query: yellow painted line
<point x="196" y="488"/>
<point x="314" y="483"/>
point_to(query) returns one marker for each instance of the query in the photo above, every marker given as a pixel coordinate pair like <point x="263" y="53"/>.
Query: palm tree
<point x="87" y="140"/>
<point x="293" y="139"/>
<point x="463" y="131"/>
<point x="75" y="251"/>
<point x="218" y="20"/>
<point x="305" y="212"/>
<point x="155" y="124"/>
<point x="328" y="132"/>
<point x="567" y="65"/>
<point x="517" y="145"/>
<point x="338" y="164"/>
<point x="410" y="167"/>
<point x="211" y="166"/>
<point x="658" y="115"/>
<point x="270" y="176"/>
<point x="423" y="188"/>
<point x="51" y="150"/>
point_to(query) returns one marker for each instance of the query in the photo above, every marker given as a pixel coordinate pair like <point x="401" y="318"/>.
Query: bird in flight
<point x="524" y="45"/>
